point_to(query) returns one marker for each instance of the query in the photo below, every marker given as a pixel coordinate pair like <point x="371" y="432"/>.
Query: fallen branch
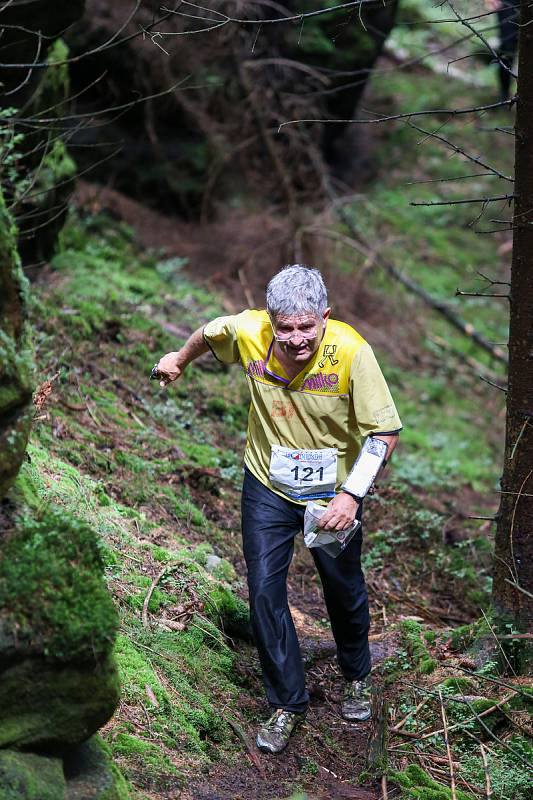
<point x="401" y="723"/>
<point x="444" y="309"/>
<point x="448" y="748"/>
<point x="515" y="688"/>
<point x="475" y="716"/>
<point x="148" y="597"/>
<point x="499" y="741"/>
<point x="254" y="758"/>
<point x="488" y="790"/>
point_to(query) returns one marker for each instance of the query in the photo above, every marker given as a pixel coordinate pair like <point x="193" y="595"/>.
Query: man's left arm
<point x="340" y="512"/>
<point x="376" y="418"/>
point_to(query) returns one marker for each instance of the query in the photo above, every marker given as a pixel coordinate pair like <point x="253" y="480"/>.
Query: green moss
<point x="90" y="772"/>
<point x="523" y="701"/>
<point x="119" y="790"/>
<point x="57" y="165"/>
<point x="510" y="776"/>
<point x="465" y="636"/>
<point x="136" y="672"/>
<point x="457" y="686"/>
<point x="417" y="784"/>
<point x="27" y="776"/>
<point x="52" y="590"/>
<point x="430" y="637"/>
<point x="416" y="646"/>
<point x="54" y="706"/>
<point x="146" y="756"/>
<point x="16" y="363"/>
<point x="57" y="77"/>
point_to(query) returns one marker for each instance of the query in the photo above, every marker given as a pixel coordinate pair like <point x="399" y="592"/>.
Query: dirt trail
<point x="327" y="754"/>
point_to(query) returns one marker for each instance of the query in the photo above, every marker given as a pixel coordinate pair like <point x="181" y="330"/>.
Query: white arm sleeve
<point x="366" y="467"/>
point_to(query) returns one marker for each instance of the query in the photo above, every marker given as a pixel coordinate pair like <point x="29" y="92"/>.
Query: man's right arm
<point x="171" y="366"/>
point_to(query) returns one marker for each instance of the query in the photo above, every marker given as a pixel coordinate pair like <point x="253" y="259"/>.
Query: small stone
<point x="212" y="562"/>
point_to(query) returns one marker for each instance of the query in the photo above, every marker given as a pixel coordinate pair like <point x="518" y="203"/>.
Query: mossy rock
<point x="27" y="776"/>
<point x="418" y="785"/>
<point x="53" y="599"/>
<point x="45" y="705"/>
<point x="16" y="364"/>
<point x="58" y="680"/>
<point x="91" y="774"/>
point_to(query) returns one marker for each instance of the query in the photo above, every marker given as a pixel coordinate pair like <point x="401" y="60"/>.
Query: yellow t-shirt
<point x="337" y="400"/>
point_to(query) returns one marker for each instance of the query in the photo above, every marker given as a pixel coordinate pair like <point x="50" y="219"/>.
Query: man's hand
<point x="340" y="513"/>
<point x="168" y="369"/>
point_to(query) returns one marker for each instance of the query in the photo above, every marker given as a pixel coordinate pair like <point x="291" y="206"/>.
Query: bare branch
<point x="274" y="20"/>
<point x="460" y="151"/>
<point x="484" y="200"/>
<point x="486" y="43"/>
<point x="493" y="383"/>
<point x="112" y="42"/>
<point x="491" y="280"/>
<point x="456" y="178"/>
<point x="459" y="293"/>
<point x="30" y="69"/>
<point x="451" y="112"/>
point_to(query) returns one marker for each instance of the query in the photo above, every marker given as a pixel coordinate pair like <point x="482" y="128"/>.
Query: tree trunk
<point x="513" y="577"/>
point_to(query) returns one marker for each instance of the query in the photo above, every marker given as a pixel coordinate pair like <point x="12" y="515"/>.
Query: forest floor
<point x="157" y="473"/>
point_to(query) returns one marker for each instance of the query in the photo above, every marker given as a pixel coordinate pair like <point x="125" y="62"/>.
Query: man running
<point x="322" y="423"/>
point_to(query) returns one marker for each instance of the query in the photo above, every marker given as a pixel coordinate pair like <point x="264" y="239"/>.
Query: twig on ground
<point x="151" y="695"/>
<point x="448" y="749"/>
<point x="477" y="716"/>
<point x="238" y="731"/>
<point x="499" y="741"/>
<point x="490" y="679"/>
<point x="401" y="723"/>
<point x="149" y="593"/>
<point x="488" y="790"/>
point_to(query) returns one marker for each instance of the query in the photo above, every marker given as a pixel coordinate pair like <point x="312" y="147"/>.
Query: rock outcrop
<point x="58" y="680"/>
<point x="16" y="363"/>
<point x="37" y="173"/>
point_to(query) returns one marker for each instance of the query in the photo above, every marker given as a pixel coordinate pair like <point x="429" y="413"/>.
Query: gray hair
<point x="296" y="290"/>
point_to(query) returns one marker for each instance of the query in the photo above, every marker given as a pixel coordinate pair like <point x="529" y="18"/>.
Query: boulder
<point x="39" y="177"/>
<point x="27" y="776"/>
<point x="45" y="705"/>
<point x="58" y="678"/>
<point x="91" y="774"/>
<point x="16" y="363"/>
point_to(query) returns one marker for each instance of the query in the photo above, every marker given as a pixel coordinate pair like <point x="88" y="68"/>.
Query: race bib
<point x="304" y="474"/>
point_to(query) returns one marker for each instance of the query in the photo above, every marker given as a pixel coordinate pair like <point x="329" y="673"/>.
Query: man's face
<point x="299" y="337"/>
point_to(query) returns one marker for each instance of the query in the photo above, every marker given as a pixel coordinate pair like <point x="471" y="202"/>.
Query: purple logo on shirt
<point x="321" y="383"/>
<point x="256" y="368"/>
